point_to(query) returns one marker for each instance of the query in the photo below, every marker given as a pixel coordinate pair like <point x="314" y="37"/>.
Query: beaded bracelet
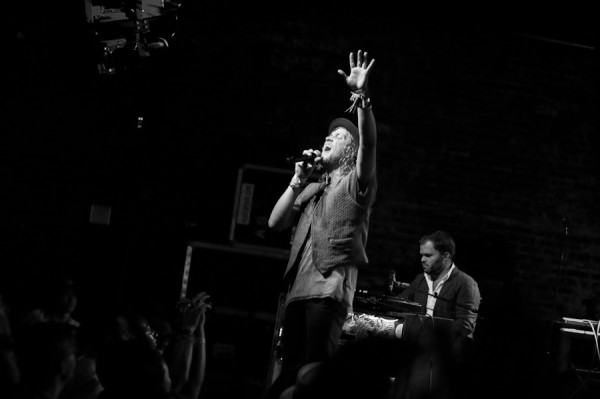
<point x="297" y="183"/>
<point x="360" y="99"/>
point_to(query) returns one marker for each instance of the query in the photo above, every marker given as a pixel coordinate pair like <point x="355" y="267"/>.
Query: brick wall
<point x="489" y="135"/>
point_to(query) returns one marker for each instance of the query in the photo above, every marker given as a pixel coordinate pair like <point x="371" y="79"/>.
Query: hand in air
<point x="193" y="311"/>
<point x="359" y="71"/>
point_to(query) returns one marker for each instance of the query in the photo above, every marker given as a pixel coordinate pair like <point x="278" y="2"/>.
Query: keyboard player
<point x="445" y="292"/>
<point x="442" y="289"/>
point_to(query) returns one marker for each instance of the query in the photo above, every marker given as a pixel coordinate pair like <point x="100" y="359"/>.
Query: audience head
<point x="369" y="368"/>
<point x="46" y="355"/>
<point x="59" y="296"/>
<point x="130" y="325"/>
<point x="133" y="368"/>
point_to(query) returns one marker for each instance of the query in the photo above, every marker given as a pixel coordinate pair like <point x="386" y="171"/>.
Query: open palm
<point x="359" y="71"/>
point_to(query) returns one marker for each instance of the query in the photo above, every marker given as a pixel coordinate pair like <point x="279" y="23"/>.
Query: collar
<point x="446" y="276"/>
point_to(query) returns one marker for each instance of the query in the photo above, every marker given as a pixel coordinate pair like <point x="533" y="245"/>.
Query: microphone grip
<point x="301" y="158"/>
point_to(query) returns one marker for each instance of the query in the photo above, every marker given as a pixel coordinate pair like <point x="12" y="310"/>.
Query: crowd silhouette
<point x="46" y="353"/>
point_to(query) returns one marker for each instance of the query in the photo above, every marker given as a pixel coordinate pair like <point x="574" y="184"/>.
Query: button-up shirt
<point x="432" y="298"/>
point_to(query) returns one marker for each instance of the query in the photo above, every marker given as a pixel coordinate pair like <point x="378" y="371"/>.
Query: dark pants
<point x="311" y="332"/>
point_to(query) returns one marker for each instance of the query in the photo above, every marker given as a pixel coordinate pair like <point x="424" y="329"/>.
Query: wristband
<point x="360" y="99"/>
<point x="297" y="183"/>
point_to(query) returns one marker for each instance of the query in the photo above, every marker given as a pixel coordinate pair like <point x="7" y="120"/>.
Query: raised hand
<point x="192" y="311"/>
<point x="202" y="303"/>
<point x="359" y="71"/>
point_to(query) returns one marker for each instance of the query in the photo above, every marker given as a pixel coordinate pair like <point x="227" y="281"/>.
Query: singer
<point x="331" y="219"/>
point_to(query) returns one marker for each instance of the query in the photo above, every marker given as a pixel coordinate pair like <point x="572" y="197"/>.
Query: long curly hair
<point x="348" y="160"/>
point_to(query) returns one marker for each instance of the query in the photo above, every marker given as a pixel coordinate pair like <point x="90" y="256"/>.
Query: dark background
<point x="487" y="130"/>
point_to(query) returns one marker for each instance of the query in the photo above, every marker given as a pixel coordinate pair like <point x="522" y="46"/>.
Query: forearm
<point x="197" y="368"/>
<point x="9" y="367"/>
<point x="367" y="127"/>
<point x="282" y="214"/>
<point x="466" y="321"/>
<point x="8" y="359"/>
<point x="180" y="360"/>
<point x="366" y="159"/>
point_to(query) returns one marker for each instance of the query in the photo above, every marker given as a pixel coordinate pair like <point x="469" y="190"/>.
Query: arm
<point x="469" y="299"/>
<point x="357" y="81"/>
<point x="198" y="365"/>
<point x="365" y="163"/>
<point x="282" y="215"/>
<point x="8" y="360"/>
<point x="188" y="355"/>
<point x="179" y="357"/>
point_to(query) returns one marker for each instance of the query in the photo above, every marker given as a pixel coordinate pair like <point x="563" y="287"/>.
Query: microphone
<point x="301" y="158"/>
<point x="393" y="284"/>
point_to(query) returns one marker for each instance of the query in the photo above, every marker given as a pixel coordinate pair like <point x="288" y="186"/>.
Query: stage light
<point x="126" y="32"/>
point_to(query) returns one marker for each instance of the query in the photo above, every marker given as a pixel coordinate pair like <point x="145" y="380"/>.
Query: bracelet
<point x="297" y="183"/>
<point x="360" y="99"/>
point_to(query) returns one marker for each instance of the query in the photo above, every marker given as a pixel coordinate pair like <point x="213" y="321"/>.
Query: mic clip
<point x="394" y="284"/>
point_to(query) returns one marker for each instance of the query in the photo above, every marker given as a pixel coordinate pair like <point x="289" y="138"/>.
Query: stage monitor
<point x="258" y="189"/>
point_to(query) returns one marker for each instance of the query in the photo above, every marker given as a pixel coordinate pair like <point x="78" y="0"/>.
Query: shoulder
<point x="463" y="277"/>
